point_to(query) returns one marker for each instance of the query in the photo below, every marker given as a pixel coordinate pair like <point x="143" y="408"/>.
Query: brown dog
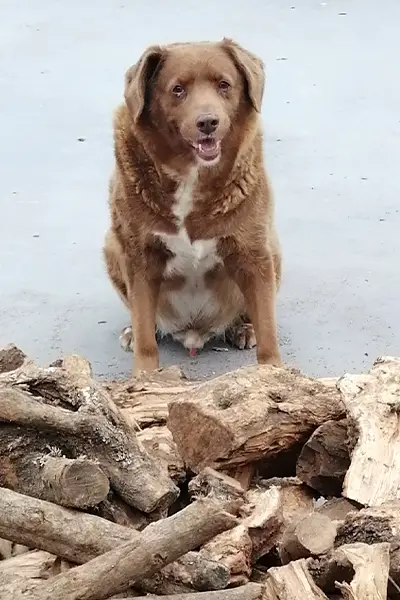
<point x="192" y="248"/>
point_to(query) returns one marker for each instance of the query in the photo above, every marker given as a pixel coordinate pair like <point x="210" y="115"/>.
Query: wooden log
<point x="30" y="465"/>
<point x="77" y="411"/>
<point x="11" y="358"/>
<point x="79" y="537"/>
<point x="372" y="404"/>
<point x="296" y="499"/>
<point x="311" y="535"/>
<point x="243" y="545"/>
<point x="337" y="509"/>
<point x="292" y="582"/>
<point x="144" y="399"/>
<point x="159" y="443"/>
<point x="324" y="459"/>
<point x="252" y="413"/>
<point x="216" y="485"/>
<point x="359" y="570"/>
<point x="250" y="591"/>
<point x="375" y="525"/>
<point x="116" y="510"/>
<point x="36" y="564"/>
<point x="161" y="543"/>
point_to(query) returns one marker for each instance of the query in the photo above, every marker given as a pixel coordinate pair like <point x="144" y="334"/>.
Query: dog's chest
<point x="191" y="259"/>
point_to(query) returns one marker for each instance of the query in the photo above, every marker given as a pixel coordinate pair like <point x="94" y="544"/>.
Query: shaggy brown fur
<point x="191" y="207"/>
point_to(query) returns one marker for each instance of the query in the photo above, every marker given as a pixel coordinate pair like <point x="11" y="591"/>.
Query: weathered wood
<point x="159" y="443"/>
<point x="252" y="413"/>
<point x="29" y="465"/>
<point x="160" y="544"/>
<point x="375" y="525"/>
<point x="144" y="399"/>
<point x="296" y="499"/>
<point x="324" y="459"/>
<point x="243" y="545"/>
<point x="36" y="564"/>
<point x="11" y="358"/>
<point x="67" y="404"/>
<point x="371" y="566"/>
<point x="216" y="485"/>
<point x="292" y="582"/>
<point x="311" y="535"/>
<point x="372" y="404"/>
<point x="79" y="537"/>
<point x="250" y="591"/>
<point x="337" y="509"/>
<point x="116" y="510"/>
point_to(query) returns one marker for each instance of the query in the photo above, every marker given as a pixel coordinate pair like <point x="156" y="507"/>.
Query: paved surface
<point x="332" y="122"/>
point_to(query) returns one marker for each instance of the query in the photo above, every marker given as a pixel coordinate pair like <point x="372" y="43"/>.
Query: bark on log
<point x="249" y="414"/>
<point x="324" y="459"/>
<point x="79" y="537"/>
<point x="292" y="582"/>
<point x="29" y="465"/>
<point x="78" y="413"/>
<point x="243" y="545"/>
<point x="312" y="535"/>
<point x="161" y="543"/>
<point x="372" y="403"/>
<point x="250" y="591"/>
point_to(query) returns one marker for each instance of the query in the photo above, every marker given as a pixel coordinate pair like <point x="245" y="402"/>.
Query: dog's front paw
<point x="241" y="336"/>
<point x="126" y="339"/>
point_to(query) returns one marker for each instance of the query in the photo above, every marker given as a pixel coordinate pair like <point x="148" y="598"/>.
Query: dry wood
<point x="373" y="526"/>
<point x="311" y="535"/>
<point x="252" y="413"/>
<point x="337" y="509"/>
<point x="144" y="400"/>
<point x="159" y="443"/>
<point x="30" y="466"/>
<point x="250" y="591"/>
<point x="243" y="545"/>
<point x="292" y="582"/>
<point x="36" y="564"/>
<point x="66" y="404"/>
<point x="372" y="404"/>
<point x="79" y="537"/>
<point x="296" y="499"/>
<point x="160" y="544"/>
<point x="216" y="485"/>
<point x="11" y="358"/>
<point x="371" y="566"/>
<point x="324" y="459"/>
<point x="116" y="510"/>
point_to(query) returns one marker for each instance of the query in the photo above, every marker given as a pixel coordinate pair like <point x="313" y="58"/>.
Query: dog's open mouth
<point x="207" y="149"/>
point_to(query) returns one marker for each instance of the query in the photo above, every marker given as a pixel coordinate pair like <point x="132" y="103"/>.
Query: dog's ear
<point x="251" y="67"/>
<point x="138" y="79"/>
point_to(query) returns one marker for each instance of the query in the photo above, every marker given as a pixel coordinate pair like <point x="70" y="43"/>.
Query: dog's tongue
<point x="192" y="352"/>
<point x="208" y="149"/>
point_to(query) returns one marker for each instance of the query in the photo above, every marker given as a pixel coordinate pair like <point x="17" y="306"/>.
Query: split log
<point x="250" y="591"/>
<point x="74" y="412"/>
<point x="337" y="509"/>
<point x="79" y="537"/>
<point x="160" y="544"/>
<point x="312" y="535"/>
<point x="29" y="465"/>
<point x="292" y="582"/>
<point x="296" y="499"/>
<point x="144" y="399"/>
<point x="243" y="545"/>
<point x="375" y="525"/>
<point x="359" y="570"/>
<point x="36" y="564"/>
<point x="159" y="443"/>
<point x="252" y="413"/>
<point x="372" y="404"/>
<point x="324" y="459"/>
<point x="216" y="485"/>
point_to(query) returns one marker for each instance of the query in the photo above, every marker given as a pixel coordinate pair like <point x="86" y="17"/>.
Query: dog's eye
<point x="178" y="90"/>
<point x="224" y="85"/>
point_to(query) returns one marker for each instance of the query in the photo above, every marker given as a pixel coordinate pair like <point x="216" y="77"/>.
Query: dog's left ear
<point x="138" y="79"/>
<point x="251" y="67"/>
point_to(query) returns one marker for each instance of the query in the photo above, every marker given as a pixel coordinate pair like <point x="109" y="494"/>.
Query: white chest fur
<point x="192" y="260"/>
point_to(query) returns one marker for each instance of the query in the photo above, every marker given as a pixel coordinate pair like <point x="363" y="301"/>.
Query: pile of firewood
<point x="260" y="484"/>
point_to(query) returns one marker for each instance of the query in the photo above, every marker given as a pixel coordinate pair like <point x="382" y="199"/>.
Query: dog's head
<point x="194" y="94"/>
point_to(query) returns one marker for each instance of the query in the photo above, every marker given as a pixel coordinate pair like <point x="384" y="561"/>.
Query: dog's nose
<point x="207" y="123"/>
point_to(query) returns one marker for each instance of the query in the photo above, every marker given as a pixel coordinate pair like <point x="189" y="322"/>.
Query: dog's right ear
<point x="138" y="78"/>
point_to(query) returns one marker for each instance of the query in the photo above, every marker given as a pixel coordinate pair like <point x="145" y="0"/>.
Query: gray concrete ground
<point x="332" y="122"/>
